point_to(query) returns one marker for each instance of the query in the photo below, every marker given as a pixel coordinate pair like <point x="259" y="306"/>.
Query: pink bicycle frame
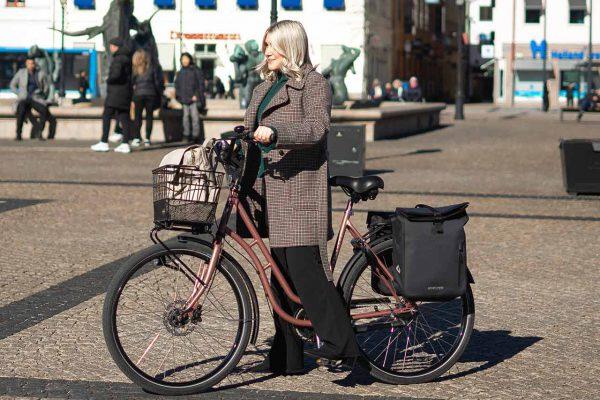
<point x="204" y="276"/>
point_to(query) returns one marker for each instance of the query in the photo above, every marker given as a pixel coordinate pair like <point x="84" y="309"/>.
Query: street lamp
<point x="460" y="78"/>
<point x="63" y="4"/>
<point x="273" y="11"/>
<point x="545" y="99"/>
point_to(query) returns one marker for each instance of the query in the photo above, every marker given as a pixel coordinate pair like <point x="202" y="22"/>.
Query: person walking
<point x="290" y="115"/>
<point x="31" y="86"/>
<point x="570" y="93"/>
<point x="147" y="88"/>
<point x="189" y="91"/>
<point x="219" y="88"/>
<point x="118" y="96"/>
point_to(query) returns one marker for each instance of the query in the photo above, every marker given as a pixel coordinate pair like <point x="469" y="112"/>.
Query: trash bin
<point x="346" y="147"/>
<point x="172" y="124"/>
<point x="581" y="165"/>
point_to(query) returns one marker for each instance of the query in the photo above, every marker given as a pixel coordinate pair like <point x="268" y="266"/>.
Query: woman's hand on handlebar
<point x="263" y="134"/>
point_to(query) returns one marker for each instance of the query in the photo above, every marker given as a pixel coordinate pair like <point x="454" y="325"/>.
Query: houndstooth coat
<point x="294" y="205"/>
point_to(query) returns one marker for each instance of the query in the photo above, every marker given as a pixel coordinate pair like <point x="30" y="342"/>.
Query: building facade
<point x="511" y="34"/>
<point x="208" y="29"/>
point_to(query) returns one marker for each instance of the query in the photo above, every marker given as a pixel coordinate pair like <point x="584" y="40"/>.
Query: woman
<point x="147" y="89"/>
<point x="189" y="91"/>
<point x="290" y="113"/>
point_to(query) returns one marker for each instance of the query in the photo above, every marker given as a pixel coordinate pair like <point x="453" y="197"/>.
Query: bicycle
<point x="177" y="318"/>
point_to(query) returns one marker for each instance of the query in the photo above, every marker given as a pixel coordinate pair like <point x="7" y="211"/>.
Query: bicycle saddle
<point x="362" y="185"/>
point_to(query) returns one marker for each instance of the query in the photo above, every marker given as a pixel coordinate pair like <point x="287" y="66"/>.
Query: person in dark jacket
<point x="147" y="89"/>
<point x="219" y="88"/>
<point x="82" y="88"/>
<point x="189" y="91"/>
<point x="413" y="93"/>
<point x="118" y="96"/>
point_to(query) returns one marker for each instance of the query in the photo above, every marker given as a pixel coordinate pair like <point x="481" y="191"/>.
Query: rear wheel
<point x="153" y="343"/>
<point x="414" y="347"/>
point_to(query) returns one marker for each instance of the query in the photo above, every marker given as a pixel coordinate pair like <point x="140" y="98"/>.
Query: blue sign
<point x="165" y="4"/>
<point x="248" y="4"/>
<point x="85" y="4"/>
<point x="291" y="4"/>
<point x="334" y="4"/>
<point x="212" y="4"/>
<point x="541" y="49"/>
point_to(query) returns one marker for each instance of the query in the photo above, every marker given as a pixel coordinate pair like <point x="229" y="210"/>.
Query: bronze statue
<point x="245" y="59"/>
<point x="50" y="65"/>
<point x="336" y="73"/>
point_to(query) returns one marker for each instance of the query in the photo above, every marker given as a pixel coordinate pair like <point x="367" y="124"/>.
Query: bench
<point x="574" y="109"/>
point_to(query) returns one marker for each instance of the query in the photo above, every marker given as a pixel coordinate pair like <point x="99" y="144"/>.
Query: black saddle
<point x="363" y="187"/>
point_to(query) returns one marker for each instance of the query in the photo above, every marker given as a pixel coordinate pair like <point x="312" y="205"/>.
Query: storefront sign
<point x="541" y="49"/>
<point x="206" y="36"/>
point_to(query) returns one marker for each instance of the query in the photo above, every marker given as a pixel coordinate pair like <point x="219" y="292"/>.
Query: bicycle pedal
<point x="324" y="362"/>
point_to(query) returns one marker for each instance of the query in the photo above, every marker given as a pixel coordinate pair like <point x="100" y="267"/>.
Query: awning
<point x="165" y="4"/>
<point x="85" y="4"/>
<point x="291" y="4"/>
<point x="334" y="4"/>
<point x="248" y="4"/>
<point x="211" y="4"/>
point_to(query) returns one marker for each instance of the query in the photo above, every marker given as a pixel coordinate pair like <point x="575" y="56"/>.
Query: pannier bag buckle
<point x="438" y="227"/>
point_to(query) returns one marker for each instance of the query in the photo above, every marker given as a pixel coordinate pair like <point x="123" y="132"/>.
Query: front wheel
<point x="153" y="343"/>
<point x="406" y="348"/>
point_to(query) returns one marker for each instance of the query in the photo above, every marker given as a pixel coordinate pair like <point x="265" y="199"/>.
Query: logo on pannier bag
<point x="435" y="287"/>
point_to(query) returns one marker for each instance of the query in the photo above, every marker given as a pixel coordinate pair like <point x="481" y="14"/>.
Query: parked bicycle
<point x="179" y="315"/>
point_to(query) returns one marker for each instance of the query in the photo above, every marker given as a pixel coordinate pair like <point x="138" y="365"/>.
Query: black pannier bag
<point x="429" y="253"/>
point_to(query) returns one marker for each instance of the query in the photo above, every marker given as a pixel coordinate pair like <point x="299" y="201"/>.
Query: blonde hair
<point x="289" y="39"/>
<point x="140" y="62"/>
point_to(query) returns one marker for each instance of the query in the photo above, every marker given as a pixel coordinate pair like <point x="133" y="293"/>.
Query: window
<point x="533" y="11"/>
<point x="248" y="4"/>
<point x="15" y="3"/>
<point x="485" y="13"/>
<point x="577" y="11"/>
<point x="207" y="4"/>
<point x="291" y="4"/>
<point x="165" y="4"/>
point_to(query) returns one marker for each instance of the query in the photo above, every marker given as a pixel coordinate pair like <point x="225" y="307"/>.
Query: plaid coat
<point x="294" y="204"/>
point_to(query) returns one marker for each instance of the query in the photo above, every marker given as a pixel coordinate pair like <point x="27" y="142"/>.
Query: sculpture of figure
<point x="117" y="22"/>
<point x="254" y="58"/>
<point x="239" y="60"/>
<point x="336" y="73"/>
<point x="48" y="66"/>
<point x="245" y="59"/>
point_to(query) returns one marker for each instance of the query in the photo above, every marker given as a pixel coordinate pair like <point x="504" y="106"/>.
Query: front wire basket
<point x="185" y="196"/>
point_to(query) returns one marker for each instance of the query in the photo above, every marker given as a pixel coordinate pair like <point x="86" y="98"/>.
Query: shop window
<point x="165" y="4"/>
<point x="533" y="11"/>
<point x="334" y="4"/>
<point x="291" y="4"/>
<point x="577" y="11"/>
<point x="248" y="4"/>
<point x="15" y="3"/>
<point x="85" y="4"/>
<point x="485" y="13"/>
<point x="207" y="4"/>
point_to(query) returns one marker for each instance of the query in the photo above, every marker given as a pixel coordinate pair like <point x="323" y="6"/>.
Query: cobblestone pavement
<point x="68" y="216"/>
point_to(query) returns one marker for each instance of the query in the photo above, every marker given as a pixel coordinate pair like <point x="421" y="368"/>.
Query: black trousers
<point x="303" y="270"/>
<point x="24" y="108"/>
<point x="122" y="116"/>
<point x="143" y="103"/>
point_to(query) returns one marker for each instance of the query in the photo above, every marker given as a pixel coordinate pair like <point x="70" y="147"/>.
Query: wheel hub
<point x="176" y="322"/>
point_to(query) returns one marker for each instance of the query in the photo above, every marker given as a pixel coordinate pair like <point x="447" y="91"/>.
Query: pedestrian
<point x="82" y="88"/>
<point x="413" y="93"/>
<point x="398" y="89"/>
<point x="189" y="91"/>
<point x="147" y="91"/>
<point x="570" y="93"/>
<point x="118" y="97"/>
<point x="31" y="85"/>
<point x="376" y="92"/>
<point x="292" y="181"/>
<point x="389" y="92"/>
<point x="219" y="88"/>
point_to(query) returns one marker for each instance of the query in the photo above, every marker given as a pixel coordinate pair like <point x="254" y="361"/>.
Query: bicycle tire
<point x="353" y="271"/>
<point x="231" y="274"/>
